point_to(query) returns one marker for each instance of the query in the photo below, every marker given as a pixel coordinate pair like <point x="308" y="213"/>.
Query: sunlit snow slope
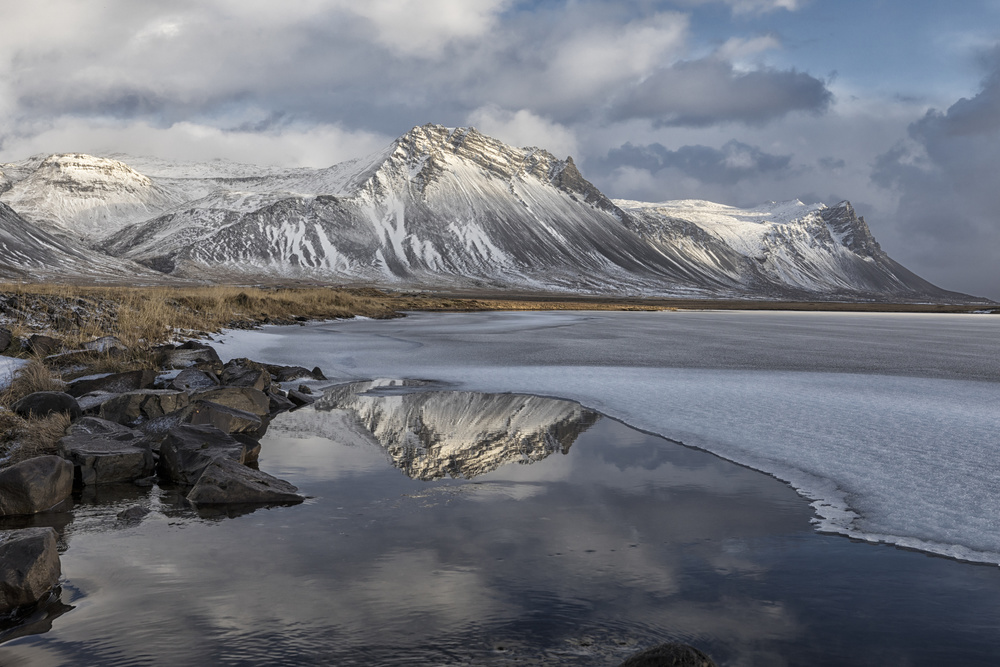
<point x="82" y="196"/>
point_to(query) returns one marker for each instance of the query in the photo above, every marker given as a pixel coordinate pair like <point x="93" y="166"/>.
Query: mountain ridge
<point x="452" y="208"/>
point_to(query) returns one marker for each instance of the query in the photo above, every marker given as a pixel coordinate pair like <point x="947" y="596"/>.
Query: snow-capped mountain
<point x="780" y="246"/>
<point x="437" y="208"/>
<point x="450" y="208"/>
<point x="81" y="196"/>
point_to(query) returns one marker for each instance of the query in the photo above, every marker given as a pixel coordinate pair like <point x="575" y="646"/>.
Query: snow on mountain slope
<point x="438" y="207"/>
<point x="83" y="196"/>
<point x="779" y="246"/>
<point x="451" y="208"/>
<point x="29" y="253"/>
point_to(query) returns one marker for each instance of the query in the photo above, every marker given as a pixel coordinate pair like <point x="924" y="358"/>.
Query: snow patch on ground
<point x="8" y="367"/>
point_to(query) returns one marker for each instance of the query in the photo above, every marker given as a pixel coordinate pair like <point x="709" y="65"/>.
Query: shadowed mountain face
<point x="29" y="253"/>
<point x="452" y="208"/>
<point x="434" y="434"/>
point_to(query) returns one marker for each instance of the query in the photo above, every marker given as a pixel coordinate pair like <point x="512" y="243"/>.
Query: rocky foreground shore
<point x="188" y="420"/>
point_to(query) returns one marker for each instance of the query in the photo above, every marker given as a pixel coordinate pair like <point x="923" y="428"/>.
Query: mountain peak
<point x="84" y="195"/>
<point x="430" y="149"/>
<point x="850" y="230"/>
<point x="79" y="170"/>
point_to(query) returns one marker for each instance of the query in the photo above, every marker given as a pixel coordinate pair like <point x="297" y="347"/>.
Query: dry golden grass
<point x="22" y="439"/>
<point x="154" y="314"/>
<point x="143" y="317"/>
<point x="33" y="377"/>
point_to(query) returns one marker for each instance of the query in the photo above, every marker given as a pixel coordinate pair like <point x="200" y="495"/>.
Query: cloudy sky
<point x="893" y="104"/>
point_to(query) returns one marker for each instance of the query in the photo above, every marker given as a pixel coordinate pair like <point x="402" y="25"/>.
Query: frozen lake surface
<point x="890" y="423"/>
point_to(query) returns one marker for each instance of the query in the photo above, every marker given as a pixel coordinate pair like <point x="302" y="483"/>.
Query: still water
<point x="460" y="528"/>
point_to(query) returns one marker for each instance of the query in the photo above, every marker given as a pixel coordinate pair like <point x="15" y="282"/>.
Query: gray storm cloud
<point x="948" y="218"/>
<point x="735" y="161"/>
<point x="710" y="91"/>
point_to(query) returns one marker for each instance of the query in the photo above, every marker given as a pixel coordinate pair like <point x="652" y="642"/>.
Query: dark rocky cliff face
<point x="845" y="224"/>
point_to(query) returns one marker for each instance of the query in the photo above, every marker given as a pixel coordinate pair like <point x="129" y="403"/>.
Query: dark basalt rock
<point x="225" y="481"/>
<point x="117" y="383"/>
<point x="300" y="399"/>
<point x="290" y="373"/>
<point x="246" y="377"/>
<point x="91" y="403"/>
<point x="43" y="345"/>
<point x="36" y="485"/>
<point x="222" y="417"/>
<point x="29" y="567"/>
<point x="188" y="449"/>
<point x="670" y="655"/>
<point x="186" y="357"/>
<point x="108" y="458"/>
<point x="279" y="403"/>
<point x="6" y="338"/>
<point x="45" y="403"/>
<point x="247" y="399"/>
<point x="194" y="345"/>
<point x="252" y="444"/>
<point x="192" y="379"/>
<point x="137" y="406"/>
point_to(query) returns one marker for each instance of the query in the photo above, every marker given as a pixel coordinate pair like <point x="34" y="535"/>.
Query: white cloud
<point x="313" y="146"/>
<point x="737" y="49"/>
<point x="426" y="27"/>
<point x="762" y="6"/>
<point x="591" y="60"/>
<point x="739" y="7"/>
<point x="523" y="128"/>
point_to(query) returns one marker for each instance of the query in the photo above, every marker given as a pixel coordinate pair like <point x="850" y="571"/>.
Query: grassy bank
<point x="150" y="315"/>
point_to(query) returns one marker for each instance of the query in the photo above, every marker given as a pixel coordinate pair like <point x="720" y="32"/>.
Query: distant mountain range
<point x="439" y="208"/>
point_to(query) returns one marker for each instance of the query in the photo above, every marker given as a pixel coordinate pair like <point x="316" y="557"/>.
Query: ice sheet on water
<point x="888" y="445"/>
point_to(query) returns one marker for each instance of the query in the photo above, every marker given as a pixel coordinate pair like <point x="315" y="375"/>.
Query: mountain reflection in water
<point x="461" y="434"/>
